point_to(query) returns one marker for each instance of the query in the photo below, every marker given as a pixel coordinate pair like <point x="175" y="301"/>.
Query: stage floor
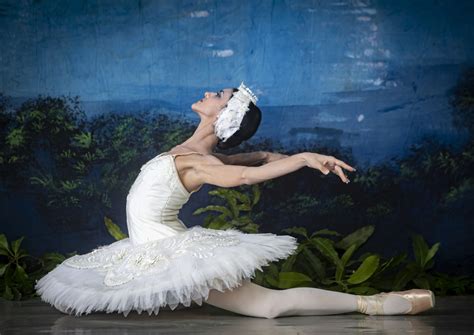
<point x="452" y="315"/>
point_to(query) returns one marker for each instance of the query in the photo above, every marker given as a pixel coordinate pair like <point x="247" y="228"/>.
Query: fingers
<point x="324" y="169"/>
<point x="337" y="169"/>
<point x="344" y="165"/>
<point x="334" y="161"/>
<point x="331" y="164"/>
<point x="341" y="174"/>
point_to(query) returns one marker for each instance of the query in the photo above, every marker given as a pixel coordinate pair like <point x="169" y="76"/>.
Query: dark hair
<point x="248" y="127"/>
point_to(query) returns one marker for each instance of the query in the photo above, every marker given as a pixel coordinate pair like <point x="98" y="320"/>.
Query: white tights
<point x="253" y="300"/>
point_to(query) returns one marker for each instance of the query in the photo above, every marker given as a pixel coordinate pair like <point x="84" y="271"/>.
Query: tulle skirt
<point x="179" y="269"/>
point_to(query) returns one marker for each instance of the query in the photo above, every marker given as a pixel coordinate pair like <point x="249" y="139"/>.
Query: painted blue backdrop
<point x="370" y="76"/>
<point x="378" y="71"/>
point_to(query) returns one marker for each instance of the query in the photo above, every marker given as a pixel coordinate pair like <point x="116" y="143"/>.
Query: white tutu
<point x="182" y="268"/>
<point x="163" y="262"/>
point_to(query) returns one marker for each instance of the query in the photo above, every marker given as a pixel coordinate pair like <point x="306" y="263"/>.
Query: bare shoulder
<point x="195" y="157"/>
<point x="210" y="159"/>
<point x="194" y="161"/>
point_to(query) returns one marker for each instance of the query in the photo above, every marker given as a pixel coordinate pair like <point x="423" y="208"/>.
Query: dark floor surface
<point x="452" y="315"/>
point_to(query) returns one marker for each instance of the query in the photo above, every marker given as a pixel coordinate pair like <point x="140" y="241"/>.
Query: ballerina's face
<point x="212" y="102"/>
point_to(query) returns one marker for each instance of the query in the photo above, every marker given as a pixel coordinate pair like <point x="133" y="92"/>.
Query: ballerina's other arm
<point x="250" y="158"/>
<point x="213" y="171"/>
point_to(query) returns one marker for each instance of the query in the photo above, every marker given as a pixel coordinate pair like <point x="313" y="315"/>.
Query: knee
<point x="272" y="308"/>
<point x="272" y="313"/>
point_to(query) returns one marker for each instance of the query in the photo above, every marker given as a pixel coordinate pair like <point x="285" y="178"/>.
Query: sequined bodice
<point x="154" y="201"/>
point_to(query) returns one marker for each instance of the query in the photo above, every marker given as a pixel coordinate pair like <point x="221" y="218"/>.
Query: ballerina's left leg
<point x="254" y="300"/>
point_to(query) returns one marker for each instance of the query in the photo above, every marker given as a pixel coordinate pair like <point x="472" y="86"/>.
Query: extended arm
<point x="219" y="174"/>
<point x="213" y="171"/>
<point x="250" y="158"/>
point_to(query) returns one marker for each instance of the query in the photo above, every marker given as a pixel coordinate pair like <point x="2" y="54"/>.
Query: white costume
<point x="162" y="262"/>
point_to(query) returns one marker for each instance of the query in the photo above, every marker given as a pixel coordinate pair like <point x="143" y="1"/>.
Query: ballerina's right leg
<point x="254" y="300"/>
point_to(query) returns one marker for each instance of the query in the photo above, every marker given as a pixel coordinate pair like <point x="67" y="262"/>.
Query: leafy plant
<point x="231" y="212"/>
<point x="114" y="230"/>
<point x="416" y="271"/>
<point x="323" y="251"/>
<point x="19" y="271"/>
<point x="15" y="281"/>
<point x="320" y="261"/>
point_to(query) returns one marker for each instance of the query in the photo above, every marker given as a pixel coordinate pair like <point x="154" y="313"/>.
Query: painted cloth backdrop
<point x="90" y="90"/>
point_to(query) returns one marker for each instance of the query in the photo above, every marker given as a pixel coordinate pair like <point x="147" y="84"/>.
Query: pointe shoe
<point x="420" y="301"/>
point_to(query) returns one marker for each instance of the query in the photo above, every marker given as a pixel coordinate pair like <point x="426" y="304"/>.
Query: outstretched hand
<point x="327" y="164"/>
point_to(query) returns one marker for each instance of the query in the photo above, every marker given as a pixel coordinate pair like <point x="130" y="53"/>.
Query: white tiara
<point x="229" y="118"/>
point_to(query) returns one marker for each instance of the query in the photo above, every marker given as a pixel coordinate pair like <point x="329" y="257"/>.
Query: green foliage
<point x="236" y="212"/>
<point x="299" y="203"/>
<point x="14" y="280"/>
<point x="440" y="172"/>
<point x="114" y="230"/>
<point x="48" y="151"/>
<point x="318" y="263"/>
<point x="459" y="192"/>
<point x="417" y="271"/>
<point x="19" y="271"/>
<point x="67" y="162"/>
<point x="272" y="277"/>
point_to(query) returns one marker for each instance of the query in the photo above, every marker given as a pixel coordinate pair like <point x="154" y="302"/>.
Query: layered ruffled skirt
<point x="179" y="269"/>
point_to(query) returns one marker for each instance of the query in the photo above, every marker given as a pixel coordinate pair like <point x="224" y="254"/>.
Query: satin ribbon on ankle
<point x="372" y="302"/>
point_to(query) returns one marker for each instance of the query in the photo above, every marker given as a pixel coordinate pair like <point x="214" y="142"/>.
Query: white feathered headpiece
<point x="230" y="117"/>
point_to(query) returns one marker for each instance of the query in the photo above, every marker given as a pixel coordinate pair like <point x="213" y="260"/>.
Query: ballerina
<point x="164" y="263"/>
